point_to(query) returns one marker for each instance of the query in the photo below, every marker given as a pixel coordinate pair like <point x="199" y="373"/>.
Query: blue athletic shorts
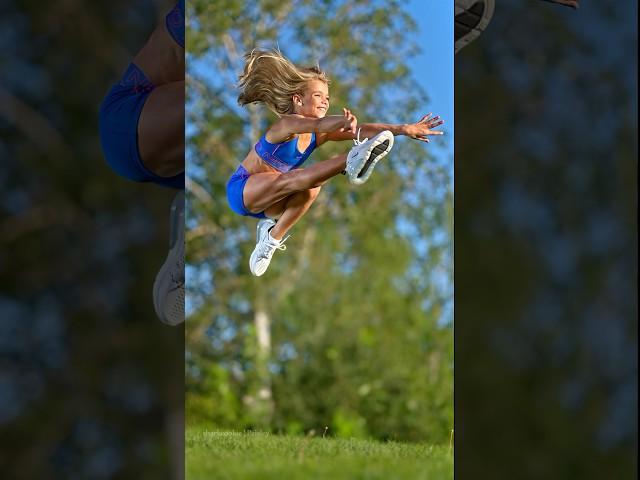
<point x="235" y="187"/>
<point x="118" y="119"/>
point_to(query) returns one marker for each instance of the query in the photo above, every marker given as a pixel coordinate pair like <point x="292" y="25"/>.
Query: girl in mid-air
<point x="270" y="184"/>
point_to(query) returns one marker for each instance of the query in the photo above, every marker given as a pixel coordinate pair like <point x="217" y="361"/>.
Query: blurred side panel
<point x="546" y="244"/>
<point x="91" y="383"/>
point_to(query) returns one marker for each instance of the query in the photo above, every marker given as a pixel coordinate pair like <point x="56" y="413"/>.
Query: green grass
<point x="235" y="455"/>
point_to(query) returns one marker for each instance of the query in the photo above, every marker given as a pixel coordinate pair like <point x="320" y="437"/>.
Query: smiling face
<point x="315" y="101"/>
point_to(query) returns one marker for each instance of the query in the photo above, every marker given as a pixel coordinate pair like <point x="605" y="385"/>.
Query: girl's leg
<point x="161" y="130"/>
<point x="264" y="190"/>
<point x="290" y="210"/>
<point x="270" y="236"/>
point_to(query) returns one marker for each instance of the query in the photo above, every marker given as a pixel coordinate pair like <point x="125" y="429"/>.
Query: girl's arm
<point x="418" y="131"/>
<point x="289" y="125"/>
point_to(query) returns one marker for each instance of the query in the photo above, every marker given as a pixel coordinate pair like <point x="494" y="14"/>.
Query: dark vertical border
<point x="91" y="383"/>
<point x="546" y="244"/>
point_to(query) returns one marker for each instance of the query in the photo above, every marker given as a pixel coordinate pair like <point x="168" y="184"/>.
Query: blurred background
<point x="91" y="383"/>
<point x="546" y="244"/>
<point x="352" y="327"/>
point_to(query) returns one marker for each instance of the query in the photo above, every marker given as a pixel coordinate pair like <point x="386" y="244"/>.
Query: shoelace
<point x="267" y="248"/>
<point x="357" y="141"/>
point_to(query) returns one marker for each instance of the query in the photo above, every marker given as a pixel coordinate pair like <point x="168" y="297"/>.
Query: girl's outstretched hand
<point x="350" y="121"/>
<point x="424" y="127"/>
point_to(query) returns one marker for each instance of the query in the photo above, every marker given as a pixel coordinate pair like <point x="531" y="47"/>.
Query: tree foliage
<point x="359" y="306"/>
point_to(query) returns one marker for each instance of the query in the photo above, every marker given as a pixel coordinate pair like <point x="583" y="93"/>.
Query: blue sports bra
<point x="284" y="156"/>
<point x="175" y="23"/>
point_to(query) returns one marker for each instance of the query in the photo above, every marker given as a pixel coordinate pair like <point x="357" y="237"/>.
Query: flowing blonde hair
<point x="269" y="77"/>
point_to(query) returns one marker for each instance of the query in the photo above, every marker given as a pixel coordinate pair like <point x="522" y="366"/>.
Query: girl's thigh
<point x="161" y="130"/>
<point x="264" y="190"/>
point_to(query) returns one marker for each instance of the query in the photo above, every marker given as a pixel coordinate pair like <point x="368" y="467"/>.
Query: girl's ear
<point x="297" y="99"/>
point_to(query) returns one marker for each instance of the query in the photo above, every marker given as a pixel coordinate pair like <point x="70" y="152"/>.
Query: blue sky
<point x="433" y="68"/>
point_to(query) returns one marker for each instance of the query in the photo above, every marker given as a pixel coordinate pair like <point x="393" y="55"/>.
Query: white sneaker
<point x="265" y="247"/>
<point x="471" y="18"/>
<point x="365" y="154"/>
<point x="168" y="288"/>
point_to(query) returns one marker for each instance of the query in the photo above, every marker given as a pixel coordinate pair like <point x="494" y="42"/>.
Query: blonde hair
<point x="269" y="77"/>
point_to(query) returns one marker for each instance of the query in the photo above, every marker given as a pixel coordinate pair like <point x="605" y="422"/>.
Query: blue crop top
<point x="284" y="156"/>
<point x="175" y="23"/>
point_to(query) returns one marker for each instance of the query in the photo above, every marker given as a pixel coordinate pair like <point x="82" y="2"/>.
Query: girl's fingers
<point x="430" y="121"/>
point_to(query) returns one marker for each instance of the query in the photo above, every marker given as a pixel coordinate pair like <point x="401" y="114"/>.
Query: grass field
<point x="234" y="455"/>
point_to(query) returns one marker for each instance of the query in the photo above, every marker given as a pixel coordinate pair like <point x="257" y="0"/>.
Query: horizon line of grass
<point x="228" y="455"/>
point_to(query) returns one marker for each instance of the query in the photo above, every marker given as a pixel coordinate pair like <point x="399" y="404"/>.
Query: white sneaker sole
<point x="470" y="20"/>
<point x="163" y="293"/>
<point x="376" y="152"/>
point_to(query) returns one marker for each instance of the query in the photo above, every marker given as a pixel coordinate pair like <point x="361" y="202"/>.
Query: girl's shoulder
<point x="276" y="134"/>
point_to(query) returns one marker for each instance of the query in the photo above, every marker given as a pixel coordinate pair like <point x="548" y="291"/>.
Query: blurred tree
<point x="546" y="243"/>
<point x="90" y="380"/>
<point x="351" y="328"/>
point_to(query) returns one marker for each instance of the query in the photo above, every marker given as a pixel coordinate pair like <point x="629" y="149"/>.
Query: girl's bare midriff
<point x="254" y="164"/>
